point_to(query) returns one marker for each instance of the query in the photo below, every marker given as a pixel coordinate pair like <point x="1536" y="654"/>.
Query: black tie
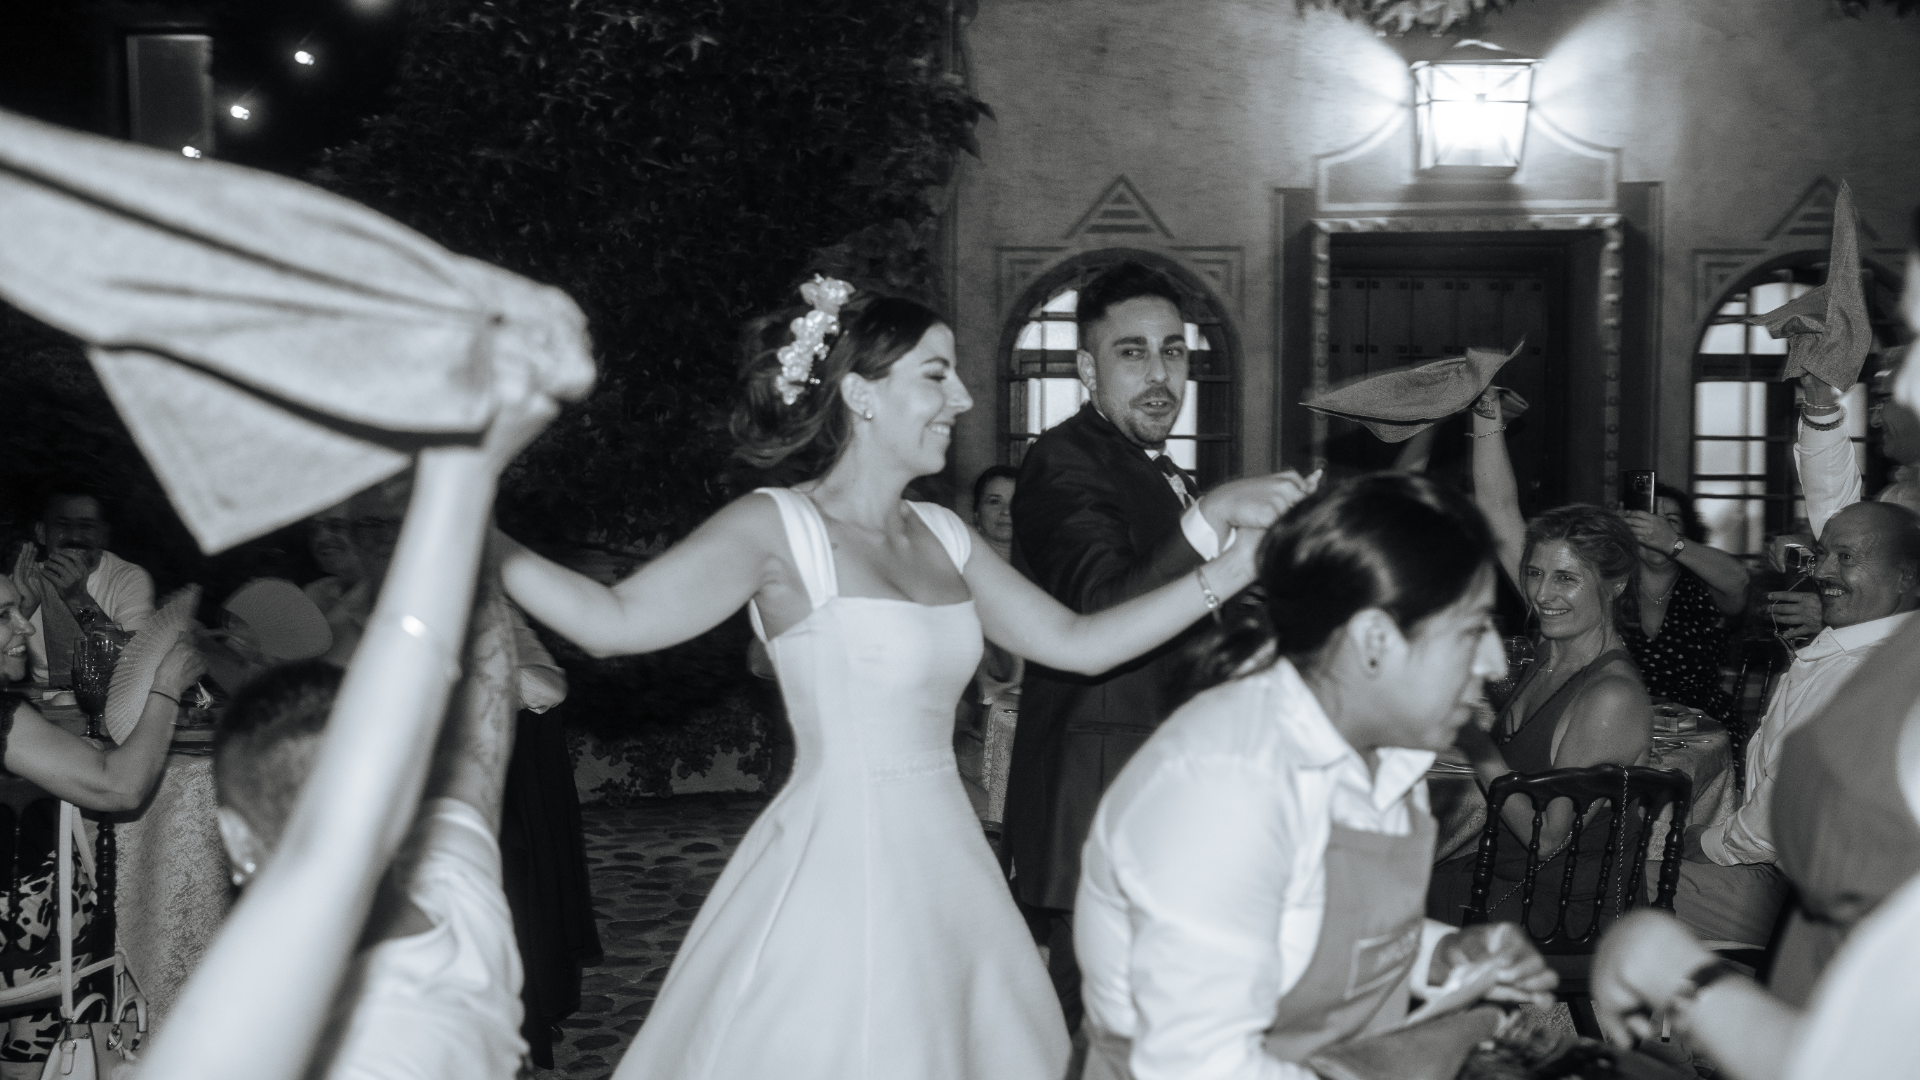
<point x="1183" y="484"/>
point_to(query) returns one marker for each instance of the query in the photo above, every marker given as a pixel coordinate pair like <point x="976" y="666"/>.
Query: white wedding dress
<point x="862" y="931"/>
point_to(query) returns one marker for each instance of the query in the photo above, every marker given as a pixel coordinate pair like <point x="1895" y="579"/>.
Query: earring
<point x="868" y="414"/>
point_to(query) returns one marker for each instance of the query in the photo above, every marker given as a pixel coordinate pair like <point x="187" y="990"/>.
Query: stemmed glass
<point x="93" y="663"/>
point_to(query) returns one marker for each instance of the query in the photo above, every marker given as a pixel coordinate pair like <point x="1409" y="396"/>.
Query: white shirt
<point x="443" y="1003"/>
<point x="1203" y="881"/>
<point x="1829" y="474"/>
<point x="123" y="591"/>
<point x="1809" y="683"/>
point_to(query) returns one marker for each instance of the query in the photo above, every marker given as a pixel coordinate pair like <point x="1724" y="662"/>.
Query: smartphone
<point x="1637" y="488"/>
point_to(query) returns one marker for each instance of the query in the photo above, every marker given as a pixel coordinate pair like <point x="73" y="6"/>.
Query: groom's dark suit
<point x="1095" y="523"/>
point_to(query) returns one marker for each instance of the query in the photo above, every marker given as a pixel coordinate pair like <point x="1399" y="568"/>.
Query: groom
<point x="1101" y="515"/>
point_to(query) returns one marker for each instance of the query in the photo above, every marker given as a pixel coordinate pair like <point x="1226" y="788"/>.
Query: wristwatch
<point x="1679" y="546"/>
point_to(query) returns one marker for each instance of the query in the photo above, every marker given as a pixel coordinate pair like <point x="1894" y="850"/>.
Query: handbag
<point x="98" y="1050"/>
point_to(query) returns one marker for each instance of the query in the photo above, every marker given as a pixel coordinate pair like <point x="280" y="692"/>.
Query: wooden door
<point x="1381" y="321"/>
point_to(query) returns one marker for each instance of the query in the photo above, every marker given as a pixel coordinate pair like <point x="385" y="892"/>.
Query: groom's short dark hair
<point x="1118" y="284"/>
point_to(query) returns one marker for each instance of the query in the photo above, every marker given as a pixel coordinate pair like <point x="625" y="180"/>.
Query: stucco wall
<point x="1734" y="107"/>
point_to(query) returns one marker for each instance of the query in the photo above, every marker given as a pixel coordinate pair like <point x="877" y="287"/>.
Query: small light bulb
<point x="240" y="112"/>
<point x="303" y="57"/>
<point x="190" y="151"/>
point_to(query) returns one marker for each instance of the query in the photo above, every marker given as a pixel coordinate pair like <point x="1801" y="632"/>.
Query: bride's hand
<point x="1236" y="567"/>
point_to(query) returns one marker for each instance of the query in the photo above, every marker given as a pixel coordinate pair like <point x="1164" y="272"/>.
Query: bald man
<point x="1730" y="886"/>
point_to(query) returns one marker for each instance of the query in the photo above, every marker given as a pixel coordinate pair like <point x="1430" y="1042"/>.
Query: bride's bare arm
<point x="1019" y="616"/>
<point x="683" y="592"/>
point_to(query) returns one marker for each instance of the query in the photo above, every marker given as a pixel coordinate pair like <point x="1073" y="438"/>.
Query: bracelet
<point x="169" y="697"/>
<point x="1817" y="426"/>
<point x="1200" y="575"/>
<point x="1484" y="434"/>
<point x="1830" y="407"/>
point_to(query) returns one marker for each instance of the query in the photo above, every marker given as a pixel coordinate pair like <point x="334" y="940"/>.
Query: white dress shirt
<point x="1815" y="675"/>
<point x="123" y="591"/>
<point x="442" y="1004"/>
<point x="1203" y="881"/>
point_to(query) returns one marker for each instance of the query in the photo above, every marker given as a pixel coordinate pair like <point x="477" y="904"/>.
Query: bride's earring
<point x="868" y="414"/>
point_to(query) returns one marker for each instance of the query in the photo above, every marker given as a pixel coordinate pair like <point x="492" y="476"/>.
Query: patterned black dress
<point x="1683" y="663"/>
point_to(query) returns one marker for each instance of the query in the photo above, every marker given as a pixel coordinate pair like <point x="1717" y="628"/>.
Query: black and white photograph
<point x="959" y="539"/>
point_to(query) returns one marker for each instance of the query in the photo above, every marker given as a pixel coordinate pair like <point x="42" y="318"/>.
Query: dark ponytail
<point x="1393" y="541"/>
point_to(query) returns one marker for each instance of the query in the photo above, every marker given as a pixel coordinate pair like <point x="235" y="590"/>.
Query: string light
<point x="302" y="56"/>
<point x="190" y="151"/>
<point x="239" y="112"/>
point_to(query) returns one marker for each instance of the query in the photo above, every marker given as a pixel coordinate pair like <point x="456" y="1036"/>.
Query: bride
<point x="862" y="929"/>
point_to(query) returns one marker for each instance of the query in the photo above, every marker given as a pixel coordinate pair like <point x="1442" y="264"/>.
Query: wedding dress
<point x="862" y="929"/>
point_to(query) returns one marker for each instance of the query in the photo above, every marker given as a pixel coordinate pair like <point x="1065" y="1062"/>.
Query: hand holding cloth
<point x="1398" y="405"/>
<point x="273" y="348"/>
<point x="1827" y="330"/>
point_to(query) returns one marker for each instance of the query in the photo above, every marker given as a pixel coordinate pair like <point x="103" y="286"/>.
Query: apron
<point x="1842" y="832"/>
<point x="1356" y="983"/>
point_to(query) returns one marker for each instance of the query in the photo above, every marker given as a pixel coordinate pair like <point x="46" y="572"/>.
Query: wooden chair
<point x="1568" y="949"/>
<point x="26" y="808"/>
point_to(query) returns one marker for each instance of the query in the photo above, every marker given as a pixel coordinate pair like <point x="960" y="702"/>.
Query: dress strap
<point x="946" y="527"/>
<point x="810" y="545"/>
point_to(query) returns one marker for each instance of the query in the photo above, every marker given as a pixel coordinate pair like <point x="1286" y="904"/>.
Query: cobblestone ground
<point x="652" y="865"/>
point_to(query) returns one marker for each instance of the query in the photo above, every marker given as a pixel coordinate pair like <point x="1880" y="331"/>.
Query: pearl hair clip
<point x="810" y="333"/>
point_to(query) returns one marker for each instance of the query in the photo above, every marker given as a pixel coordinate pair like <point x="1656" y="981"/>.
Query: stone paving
<point x="652" y="865"/>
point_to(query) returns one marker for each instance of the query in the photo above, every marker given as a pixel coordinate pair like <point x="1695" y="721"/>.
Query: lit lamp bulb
<point x="190" y="151"/>
<point x="302" y="56"/>
<point x="1471" y="110"/>
<point x="239" y="112"/>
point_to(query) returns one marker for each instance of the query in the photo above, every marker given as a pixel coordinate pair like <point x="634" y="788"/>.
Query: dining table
<point x="1704" y="752"/>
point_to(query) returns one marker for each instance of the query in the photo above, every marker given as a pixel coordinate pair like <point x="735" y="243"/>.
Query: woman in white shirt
<point x="1253" y="886"/>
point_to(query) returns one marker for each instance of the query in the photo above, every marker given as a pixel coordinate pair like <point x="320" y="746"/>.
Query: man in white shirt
<point x="434" y="992"/>
<point x="90" y="582"/>
<point x="1730" y="890"/>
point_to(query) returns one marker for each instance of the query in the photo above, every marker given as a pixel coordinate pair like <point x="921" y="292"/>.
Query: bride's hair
<point x="1393" y="541"/>
<point x="805" y="438"/>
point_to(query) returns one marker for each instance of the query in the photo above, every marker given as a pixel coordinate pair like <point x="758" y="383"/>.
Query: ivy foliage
<point x="677" y="166"/>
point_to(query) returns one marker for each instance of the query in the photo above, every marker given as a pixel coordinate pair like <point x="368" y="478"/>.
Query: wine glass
<point x="93" y="663"/>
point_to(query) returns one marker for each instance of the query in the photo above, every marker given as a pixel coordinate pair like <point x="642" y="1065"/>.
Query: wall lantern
<point x="1471" y="111"/>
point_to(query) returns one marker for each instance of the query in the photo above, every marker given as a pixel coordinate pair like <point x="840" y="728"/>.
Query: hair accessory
<point x="810" y="332"/>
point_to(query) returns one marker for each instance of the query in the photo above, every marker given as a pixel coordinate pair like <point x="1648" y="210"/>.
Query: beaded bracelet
<point x="1484" y="434"/>
<point x="1818" y="426"/>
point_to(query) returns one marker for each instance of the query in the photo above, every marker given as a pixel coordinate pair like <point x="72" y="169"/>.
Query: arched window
<point x="1745" y="418"/>
<point x="1043" y="384"/>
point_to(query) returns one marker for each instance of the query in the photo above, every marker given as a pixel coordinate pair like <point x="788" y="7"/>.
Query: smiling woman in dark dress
<point x="1686" y="592"/>
<point x="1580" y="701"/>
